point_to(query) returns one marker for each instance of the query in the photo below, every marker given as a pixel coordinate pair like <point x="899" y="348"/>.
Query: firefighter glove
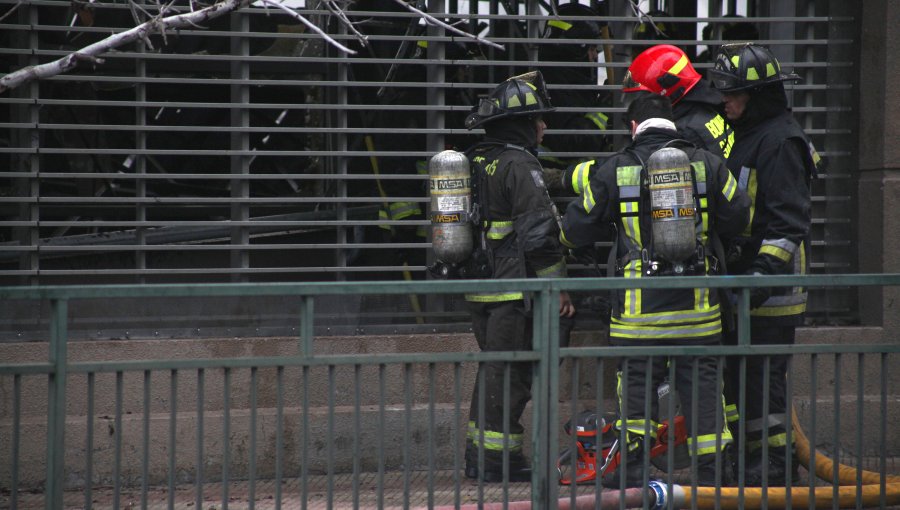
<point x="759" y="295"/>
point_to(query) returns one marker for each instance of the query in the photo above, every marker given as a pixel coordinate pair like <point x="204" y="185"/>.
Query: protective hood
<point x="515" y="130"/>
<point x="765" y="102"/>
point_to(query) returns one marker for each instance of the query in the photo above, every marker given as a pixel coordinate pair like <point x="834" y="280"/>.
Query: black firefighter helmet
<point x="742" y="66"/>
<point x="525" y="94"/>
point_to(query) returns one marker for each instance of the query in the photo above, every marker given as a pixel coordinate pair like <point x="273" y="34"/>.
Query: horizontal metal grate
<point x="251" y="148"/>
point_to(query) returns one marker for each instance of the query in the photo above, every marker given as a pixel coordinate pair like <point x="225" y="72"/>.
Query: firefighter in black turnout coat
<point x="774" y="160"/>
<point x="520" y="237"/>
<point x="621" y="192"/>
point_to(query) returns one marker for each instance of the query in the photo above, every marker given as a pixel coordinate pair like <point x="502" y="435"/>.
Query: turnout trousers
<point x="639" y="376"/>
<point x="755" y="424"/>
<point x="500" y="326"/>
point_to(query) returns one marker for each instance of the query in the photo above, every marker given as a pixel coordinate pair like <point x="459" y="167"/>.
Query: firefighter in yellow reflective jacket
<point x="774" y="160"/>
<point x="520" y="237"/>
<point x="627" y="193"/>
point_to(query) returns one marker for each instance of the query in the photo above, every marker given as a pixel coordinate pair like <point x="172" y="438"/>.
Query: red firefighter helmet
<point x="662" y="69"/>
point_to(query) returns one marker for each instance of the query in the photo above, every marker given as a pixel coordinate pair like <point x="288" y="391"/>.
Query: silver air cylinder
<point x="672" y="205"/>
<point x="451" y="204"/>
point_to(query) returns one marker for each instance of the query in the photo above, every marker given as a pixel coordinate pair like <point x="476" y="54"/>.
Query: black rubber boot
<point x="634" y="472"/>
<point x="471" y="460"/>
<point x="776" y="468"/>
<point x="706" y="472"/>
<point x="519" y="468"/>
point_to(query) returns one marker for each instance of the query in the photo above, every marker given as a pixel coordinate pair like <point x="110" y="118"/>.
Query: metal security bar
<point x="249" y="150"/>
<point x="313" y="429"/>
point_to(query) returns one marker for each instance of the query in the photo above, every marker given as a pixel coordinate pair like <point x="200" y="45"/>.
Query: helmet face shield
<point x="487" y="107"/>
<point x="629" y="84"/>
<point x="725" y="81"/>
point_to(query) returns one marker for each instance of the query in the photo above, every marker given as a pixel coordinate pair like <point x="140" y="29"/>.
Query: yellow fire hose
<point x="728" y="498"/>
<point x="776" y="497"/>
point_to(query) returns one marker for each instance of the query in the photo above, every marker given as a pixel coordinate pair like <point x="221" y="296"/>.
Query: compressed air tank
<point x="451" y="203"/>
<point x="672" y="205"/>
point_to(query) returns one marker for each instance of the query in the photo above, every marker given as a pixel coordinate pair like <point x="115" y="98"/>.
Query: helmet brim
<point x="726" y="82"/>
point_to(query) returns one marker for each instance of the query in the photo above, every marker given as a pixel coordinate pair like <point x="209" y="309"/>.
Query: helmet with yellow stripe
<point x="525" y="94"/>
<point x="742" y="66"/>
<point x="662" y="69"/>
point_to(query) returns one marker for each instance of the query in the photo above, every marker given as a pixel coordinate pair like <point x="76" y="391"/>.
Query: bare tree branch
<point x="431" y="19"/>
<point x="337" y="11"/>
<point x="160" y="25"/>
<point x="296" y="15"/>
<point x="11" y="10"/>
<point x="93" y="51"/>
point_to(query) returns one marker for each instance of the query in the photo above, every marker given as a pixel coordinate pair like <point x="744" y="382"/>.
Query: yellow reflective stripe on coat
<point x="731" y="413"/>
<point x="557" y="270"/>
<point x="790" y="304"/>
<point x="581" y="176"/>
<point x="782" y="249"/>
<point x="730" y="187"/>
<point x="632" y="296"/>
<point x="400" y="210"/>
<point x="494" y="297"/>
<point x="700" y="181"/>
<point x="676" y="316"/>
<point x="599" y="119"/>
<point x="656" y="332"/>
<point x="628" y="180"/>
<point x="498" y="229"/>
<point x="587" y="199"/>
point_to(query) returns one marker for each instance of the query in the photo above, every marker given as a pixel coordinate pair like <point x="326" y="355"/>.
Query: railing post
<point x="551" y="361"/>
<point x="307" y="327"/>
<point x="56" y="404"/>
<point x="541" y="415"/>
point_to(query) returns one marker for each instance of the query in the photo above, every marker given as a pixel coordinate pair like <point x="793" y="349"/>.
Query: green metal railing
<point x="545" y="354"/>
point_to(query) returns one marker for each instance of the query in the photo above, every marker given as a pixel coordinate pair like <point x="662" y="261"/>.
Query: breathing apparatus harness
<point x="480" y="262"/>
<point x="652" y="264"/>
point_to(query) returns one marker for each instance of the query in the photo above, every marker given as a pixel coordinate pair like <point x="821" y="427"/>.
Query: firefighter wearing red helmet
<point x="666" y="70"/>
<point x="518" y="237"/>
<point x="774" y="161"/>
